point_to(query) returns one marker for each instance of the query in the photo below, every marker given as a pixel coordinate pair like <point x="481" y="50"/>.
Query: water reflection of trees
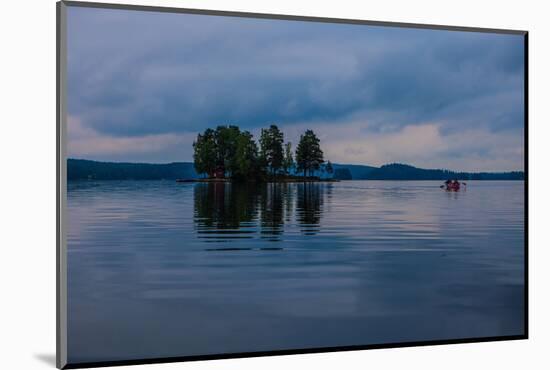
<point x="309" y="206"/>
<point x="222" y="206"/>
<point x="274" y="198"/>
<point x="236" y="210"/>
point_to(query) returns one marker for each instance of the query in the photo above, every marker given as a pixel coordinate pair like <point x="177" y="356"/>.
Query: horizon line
<point x="334" y="163"/>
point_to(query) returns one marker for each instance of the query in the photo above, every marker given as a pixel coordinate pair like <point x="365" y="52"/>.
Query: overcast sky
<point x="143" y="84"/>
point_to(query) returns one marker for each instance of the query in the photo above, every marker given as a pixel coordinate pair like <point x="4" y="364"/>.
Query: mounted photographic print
<point x="235" y="184"/>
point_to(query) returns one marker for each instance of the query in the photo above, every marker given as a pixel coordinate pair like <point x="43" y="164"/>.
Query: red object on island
<point x="219" y="173"/>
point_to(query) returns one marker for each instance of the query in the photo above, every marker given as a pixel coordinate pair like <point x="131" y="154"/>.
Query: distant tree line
<point x="398" y="171"/>
<point x="229" y="152"/>
<point x="81" y="169"/>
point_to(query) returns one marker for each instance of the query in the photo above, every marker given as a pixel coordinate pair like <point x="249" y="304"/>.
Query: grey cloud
<point x="136" y="73"/>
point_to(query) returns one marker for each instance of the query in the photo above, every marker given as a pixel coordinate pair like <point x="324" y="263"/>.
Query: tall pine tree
<point x="271" y="149"/>
<point x="309" y="155"/>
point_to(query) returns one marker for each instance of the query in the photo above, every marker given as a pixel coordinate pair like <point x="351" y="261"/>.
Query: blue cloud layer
<point x="141" y="73"/>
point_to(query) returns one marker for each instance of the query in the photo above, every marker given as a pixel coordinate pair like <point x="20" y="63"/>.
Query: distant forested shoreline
<point x="82" y="169"/>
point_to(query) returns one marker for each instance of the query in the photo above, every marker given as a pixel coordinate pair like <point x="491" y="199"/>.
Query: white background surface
<point x="27" y="183"/>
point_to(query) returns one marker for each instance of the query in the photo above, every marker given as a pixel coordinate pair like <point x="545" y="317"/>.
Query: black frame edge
<point x="289" y="352"/>
<point x="526" y="181"/>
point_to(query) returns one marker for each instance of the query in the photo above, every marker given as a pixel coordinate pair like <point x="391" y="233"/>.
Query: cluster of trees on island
<point x="228" y="152"/>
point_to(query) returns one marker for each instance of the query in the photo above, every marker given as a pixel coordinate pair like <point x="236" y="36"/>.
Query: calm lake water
<point x="158" y="269"/>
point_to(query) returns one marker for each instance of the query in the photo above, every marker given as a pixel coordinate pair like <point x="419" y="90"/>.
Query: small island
<point x="229" y="154"/>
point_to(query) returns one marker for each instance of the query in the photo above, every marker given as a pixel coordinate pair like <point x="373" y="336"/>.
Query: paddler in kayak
<point x="452" y="185"/>
<point x="455" y="185"/>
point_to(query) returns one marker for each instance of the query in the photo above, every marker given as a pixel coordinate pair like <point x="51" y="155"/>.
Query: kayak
<point x="452" y="187"/>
